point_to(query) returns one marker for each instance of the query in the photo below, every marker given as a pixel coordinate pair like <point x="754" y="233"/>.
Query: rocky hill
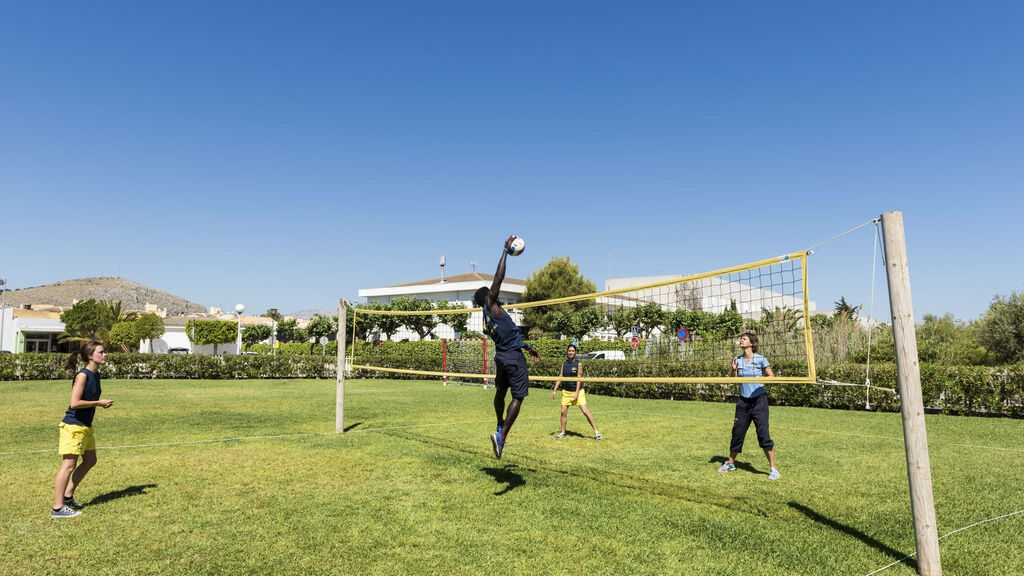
<point x="308" y="314"/>
<point x="133" y="296"/>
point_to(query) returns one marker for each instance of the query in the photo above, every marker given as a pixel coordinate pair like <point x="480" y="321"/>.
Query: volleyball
<point x="517" y="246"/>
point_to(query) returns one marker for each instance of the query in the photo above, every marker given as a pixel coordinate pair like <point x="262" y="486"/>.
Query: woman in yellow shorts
<point x="573" y="394"/>
<point x="76" y="437"/>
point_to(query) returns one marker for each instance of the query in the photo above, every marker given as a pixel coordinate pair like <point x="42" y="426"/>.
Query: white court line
<point x="298" y="434"/>
<point x="853" y="434"/>
<point x="909" y="556"/>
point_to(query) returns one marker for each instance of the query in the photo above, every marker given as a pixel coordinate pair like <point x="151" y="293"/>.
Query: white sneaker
<point x="774" y="474"/>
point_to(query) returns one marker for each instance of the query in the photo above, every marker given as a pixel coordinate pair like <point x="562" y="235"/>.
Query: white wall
<point x="7" y="338"/>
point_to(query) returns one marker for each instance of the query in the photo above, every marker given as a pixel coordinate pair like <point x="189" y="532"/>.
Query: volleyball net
<point x="670" y="329"/>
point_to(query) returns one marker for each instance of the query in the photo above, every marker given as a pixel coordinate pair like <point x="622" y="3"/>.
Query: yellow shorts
<point x="75" y="439"/>
<point x="567" y="398"/>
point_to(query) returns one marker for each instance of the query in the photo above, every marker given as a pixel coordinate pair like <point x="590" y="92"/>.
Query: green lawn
<point x="247" y="477"/>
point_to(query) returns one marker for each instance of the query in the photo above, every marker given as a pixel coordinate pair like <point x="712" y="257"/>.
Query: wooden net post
<point x="915" y="438"/>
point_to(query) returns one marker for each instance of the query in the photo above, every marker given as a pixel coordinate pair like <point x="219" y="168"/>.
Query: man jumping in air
<point x="510" y="369"/>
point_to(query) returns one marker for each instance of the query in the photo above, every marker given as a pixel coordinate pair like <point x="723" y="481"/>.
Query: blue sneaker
<point x="64" y="512"/>
<point x="72" y="503"/>
<point x="498" y="444"/>
<point x="727" y="467"/>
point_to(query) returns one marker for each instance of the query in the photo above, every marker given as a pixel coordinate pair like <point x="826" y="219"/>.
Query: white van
<point x="604" y="355"/>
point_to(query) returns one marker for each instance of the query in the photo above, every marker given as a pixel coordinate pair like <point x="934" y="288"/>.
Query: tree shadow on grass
<point x="895" y="554"/>
<point x="746" y="467"/>
<point x="507" y="476"/>
<point x="139" y="490"/>
<point x="351" y="426"/>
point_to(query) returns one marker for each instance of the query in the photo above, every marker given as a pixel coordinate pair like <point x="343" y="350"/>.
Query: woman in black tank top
<point x="76" y="437"/>
<point x="572" y="393"/>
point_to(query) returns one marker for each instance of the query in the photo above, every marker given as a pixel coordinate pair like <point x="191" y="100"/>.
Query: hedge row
<point x="975" y="390"/>
<point x="172" y="366"/>
<point x="296" y="349"/>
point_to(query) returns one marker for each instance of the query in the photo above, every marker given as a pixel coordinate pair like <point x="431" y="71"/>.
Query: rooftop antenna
<point x="472" y="266"/>
<point x="442" y="269"/>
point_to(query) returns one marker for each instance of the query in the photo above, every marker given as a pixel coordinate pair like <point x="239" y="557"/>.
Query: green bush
<point x="971" y="390"/>
<point x="296" y="349"/>
<point x="133" y="365"/>
<point x="975" y="390"/>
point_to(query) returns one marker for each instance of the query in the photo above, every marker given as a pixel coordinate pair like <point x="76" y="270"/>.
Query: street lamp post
<point x="239" y="308"/>
<point x="3" y="310"/>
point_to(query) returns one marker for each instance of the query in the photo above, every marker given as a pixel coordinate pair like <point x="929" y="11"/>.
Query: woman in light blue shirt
<point x="752" y="405"/>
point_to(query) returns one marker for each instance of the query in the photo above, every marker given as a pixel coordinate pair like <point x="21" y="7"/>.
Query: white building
<point x="458" y="289"/>
<point x="36" y="329"/>
<point x="25" y="329"/>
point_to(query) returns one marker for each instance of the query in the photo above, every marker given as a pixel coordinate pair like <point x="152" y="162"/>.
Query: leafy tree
<point x="122" y="337"/>
<point x="575" y="323"/>
<point x="1001" y="328"/>
<point x="323" y="326"/>
<point x="558" y="278"/>
<point x="586" y="321"/>
<point x="256" y="333"/>
<point x="361" y="324"/>
<point x="648" y="317"/>
<point x="620" y="321"/>
<point x="273" y="314"/>
<point x="421" y="324"/>
<point x="560" y="320"/>
<point x="211" y="332"/>
<point x="458" y="321"/>
<point x="706" y="325"/>
<point x="289" y="331"/>
<point x="387" y="324"/>
<point x="86" y="320"/>
<point x="944" y="340"/>
<point x="93" y="320"/>
<point x="148" y="327"/>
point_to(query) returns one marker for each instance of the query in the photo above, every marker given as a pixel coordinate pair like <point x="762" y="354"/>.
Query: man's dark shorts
<point x="510" y="373"/>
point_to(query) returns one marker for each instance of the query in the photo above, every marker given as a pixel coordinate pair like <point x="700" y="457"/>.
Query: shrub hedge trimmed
<point x="133" y="365"/>
<point x="972" y="390"/>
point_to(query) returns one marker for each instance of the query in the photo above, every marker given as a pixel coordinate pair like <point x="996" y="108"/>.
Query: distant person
<point x="510" y="364"/>
<point x="572" y="393"/>
<point x="752" y="404"/>
<point x="76" y="434"/>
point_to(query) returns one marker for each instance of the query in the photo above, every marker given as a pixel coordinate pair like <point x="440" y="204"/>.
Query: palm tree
<point x="844" y="310"/>
<point x="780" y="320"/>
<point x="116" y="312"/>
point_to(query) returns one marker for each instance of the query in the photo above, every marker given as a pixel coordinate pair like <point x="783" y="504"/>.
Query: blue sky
<point x="286" y="154"/>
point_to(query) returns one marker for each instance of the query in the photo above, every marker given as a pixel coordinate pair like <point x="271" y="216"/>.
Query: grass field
<point x="247" y="477"/>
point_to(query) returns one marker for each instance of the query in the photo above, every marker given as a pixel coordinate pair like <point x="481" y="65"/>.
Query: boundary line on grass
<point x="909" y="556"/>
<point x="837" y="433"/>
<point x="295" y="435"/>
